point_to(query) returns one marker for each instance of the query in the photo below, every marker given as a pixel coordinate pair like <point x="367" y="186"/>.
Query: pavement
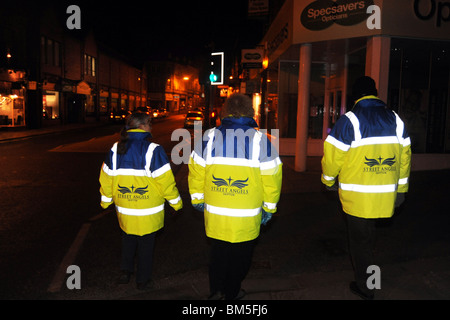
<point x="313" y="262"/>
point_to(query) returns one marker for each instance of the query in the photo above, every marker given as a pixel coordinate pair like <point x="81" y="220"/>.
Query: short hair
<point x="238" y="105"/>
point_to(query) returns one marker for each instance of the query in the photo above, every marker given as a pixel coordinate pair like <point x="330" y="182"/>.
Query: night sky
<point x="145" y="30"/>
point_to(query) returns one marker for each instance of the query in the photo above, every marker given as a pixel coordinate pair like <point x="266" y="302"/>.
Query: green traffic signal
<point x="212" y="77"/>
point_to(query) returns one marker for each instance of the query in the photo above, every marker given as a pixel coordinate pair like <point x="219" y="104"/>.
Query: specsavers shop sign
<point x="322" y="14"/>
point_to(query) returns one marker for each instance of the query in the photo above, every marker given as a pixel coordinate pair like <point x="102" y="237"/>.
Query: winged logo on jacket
<point x="139" y="191"/>
<point x="219" y="182"/>
<point x="380" y="162"/>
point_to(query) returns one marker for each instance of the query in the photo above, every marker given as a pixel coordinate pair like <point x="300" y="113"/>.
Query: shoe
<point x="354" y="289"/>
<point x="144" y="285"/>
<point x="216" y="296"/>
<point x="125" y="277"/>
<point x="241" y="294"/>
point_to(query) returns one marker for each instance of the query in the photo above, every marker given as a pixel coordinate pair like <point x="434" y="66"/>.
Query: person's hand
<point x="399" y="200"/>
<point x="199" y="206"/>
<point x="334" y="187"/>
<point x="265" y="217"/>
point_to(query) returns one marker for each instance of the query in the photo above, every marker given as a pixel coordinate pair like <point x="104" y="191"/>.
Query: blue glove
<point x="265" y="217"/>
<point x="199" y="206"/>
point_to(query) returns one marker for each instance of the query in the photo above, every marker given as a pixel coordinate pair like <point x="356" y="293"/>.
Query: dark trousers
<point x="229" y="265"/>
<point x="140" y="247"/>
<point x="361" y="239"/>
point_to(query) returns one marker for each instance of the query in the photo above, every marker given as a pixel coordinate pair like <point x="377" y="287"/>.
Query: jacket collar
<point x="139" y="134"/>
<point x="364" y="101"/>
<point x="242" y="121"/>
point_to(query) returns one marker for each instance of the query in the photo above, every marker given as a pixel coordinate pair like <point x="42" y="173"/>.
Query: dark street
<point x="51" y="193"/>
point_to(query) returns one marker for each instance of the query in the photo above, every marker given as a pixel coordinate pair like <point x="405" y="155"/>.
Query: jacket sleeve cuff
<point x="270" y="207"/>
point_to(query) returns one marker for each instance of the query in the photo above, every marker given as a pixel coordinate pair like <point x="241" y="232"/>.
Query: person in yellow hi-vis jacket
<point x="369" y="149"/>
<point x="136" y="176"/>
<point x="235" y="178"/>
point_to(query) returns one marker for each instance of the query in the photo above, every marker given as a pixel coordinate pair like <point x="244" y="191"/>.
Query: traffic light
<point x="217" y="66"/>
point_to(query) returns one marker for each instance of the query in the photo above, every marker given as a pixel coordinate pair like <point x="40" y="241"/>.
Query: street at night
<point x="354" y="96"/>
<point x="50" y="193"/>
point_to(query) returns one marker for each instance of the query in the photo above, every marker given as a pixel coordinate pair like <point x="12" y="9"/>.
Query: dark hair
<point x="133" y="122"/>
<point x="364" y="86"/>
<point x="238" y="105"/>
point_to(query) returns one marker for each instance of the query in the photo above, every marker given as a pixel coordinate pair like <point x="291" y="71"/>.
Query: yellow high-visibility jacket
<point x="235" y="172"/>
<point x="370" y="150"/>
<point x="138" y="183"/>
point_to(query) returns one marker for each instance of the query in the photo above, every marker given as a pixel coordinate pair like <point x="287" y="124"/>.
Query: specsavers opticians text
<point x="336" y="9"/>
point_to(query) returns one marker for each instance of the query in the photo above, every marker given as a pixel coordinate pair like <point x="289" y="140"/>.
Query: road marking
<point x="93" y="145"/>
<point x="69" y="258"/>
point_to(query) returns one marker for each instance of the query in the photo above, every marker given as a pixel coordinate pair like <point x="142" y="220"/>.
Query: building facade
<point x="52" y="75"/>
<point x="316" y="50"/>
<point x="173" y="86"/>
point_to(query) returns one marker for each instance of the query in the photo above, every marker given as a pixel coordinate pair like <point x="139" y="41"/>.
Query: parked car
<point x="119" y="116"/>
<point x="146" y="110"/>
<point x="162" y="113"/>
<point x="193" y="116"/>
<point x="159" y="113"/>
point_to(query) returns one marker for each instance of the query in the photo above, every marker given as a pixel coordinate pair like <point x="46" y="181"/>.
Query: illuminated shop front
<point x="316" y="50"/>
<point x="12" y="99"/>
<point x="50" y="105"/>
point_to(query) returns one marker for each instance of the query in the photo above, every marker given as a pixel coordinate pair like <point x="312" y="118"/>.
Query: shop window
<point x="50" y="52"/>
<point x="89" y="65"/>
<point x="288" y="98"/>
<point x="419" y="91"/>
<point x="12" y="105"/>
<point x="316" y="100"/>
<point x="50" y="104"/>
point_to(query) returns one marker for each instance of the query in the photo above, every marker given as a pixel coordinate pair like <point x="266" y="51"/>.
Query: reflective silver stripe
<point x="233" y="162"/>
<point x="140" y="212"/>
<point x="359" y="141"/>
<point x="208" y="150"/>
<point x="114" y="158"/>
<point x="256" y="145"/>
<point x="106" y="199"/>
<point x="355" y="122"/>
<point x="145" y="172"/>
<point x="253" y="162"/>
<point x="233" y="212"/>
<point x="107" y="170"/>
<point x="161" y="170"/>
<point x="175" y="201"/>
<point x="338" y="144"/>
<point x="368" y="188"/>
<point x="130" y="172"/>
<point x="403" y="181"/>
<point x="407" y="142"/>
<point x="270" y="206"/>
<point x="197" y="159"/>
<point x="400" y="128"/>
<point x="270" y="164"/>
<point x="197" y="196"/>
<point x="375" y="140"/>
<point x="148" y="158"/>
<point x="328" y="178"/>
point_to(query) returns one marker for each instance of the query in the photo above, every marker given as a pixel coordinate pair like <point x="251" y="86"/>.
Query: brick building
<point x="50" y="74"/>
